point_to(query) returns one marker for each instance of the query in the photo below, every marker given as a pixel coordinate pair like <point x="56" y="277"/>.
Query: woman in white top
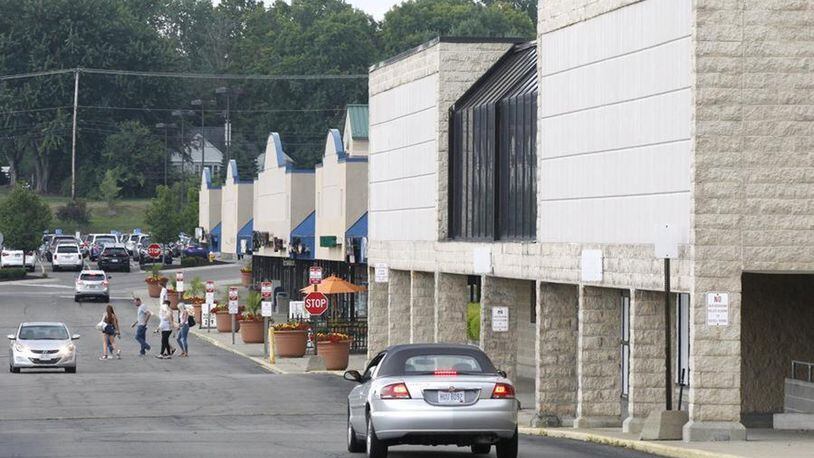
<point x="165" y="326"/>
<point x="183" y="329"/>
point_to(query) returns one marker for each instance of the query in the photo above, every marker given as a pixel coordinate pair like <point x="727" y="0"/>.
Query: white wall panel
<point x="615" y="128"/>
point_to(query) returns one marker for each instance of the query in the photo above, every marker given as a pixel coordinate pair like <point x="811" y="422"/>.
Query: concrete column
<point x="398" y="307"/>
<point x="646" y="390"/>
<point x="598" y="358"/>
<point x="556" y="381"/>
<point x="715" y="362"/>
<point x="377" y="316"/>
<point x="422" y="307"/>
<point x="451" y="299"/>
<point x="502" y="346"/>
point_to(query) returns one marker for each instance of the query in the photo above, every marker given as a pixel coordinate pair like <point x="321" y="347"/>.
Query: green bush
<point x="193" y="262"/>
<point x="12" y="273"/>
<point x="75" y="211"/>
<point x="473" y="321"/>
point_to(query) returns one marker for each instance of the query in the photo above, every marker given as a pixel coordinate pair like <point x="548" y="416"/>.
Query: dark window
<point x="493" y="153"/>
<point x="114" y="251"/>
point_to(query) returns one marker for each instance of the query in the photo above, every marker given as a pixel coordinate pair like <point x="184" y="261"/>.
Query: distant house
<point x="212" y="152"/>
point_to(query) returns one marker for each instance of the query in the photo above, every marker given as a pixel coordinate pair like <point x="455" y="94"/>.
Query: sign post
<point x="265" y="310"/>
<point x="206" y="316"/>
<point x="315" y="304"/>
<point x="233" y="306"/>
<point x="666" y="247"/>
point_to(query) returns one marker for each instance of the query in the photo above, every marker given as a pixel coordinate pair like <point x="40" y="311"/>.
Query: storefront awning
<point x="358" y="229"/>
<point x="305" y="233"/>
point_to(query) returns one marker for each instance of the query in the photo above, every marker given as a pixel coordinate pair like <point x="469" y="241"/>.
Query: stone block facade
<point x="502" y="347"/>
<point x="422" y="307"/>
<point x="378" y="316"/>
<point x="557" y="306"/>
<point x="398" y="307"/>
<point x="451" y="301"/>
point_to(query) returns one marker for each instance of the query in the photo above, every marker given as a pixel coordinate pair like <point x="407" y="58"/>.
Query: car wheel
<point x="77" y="299"/>
<point x="375" y="447"/>
<point x="507" y="448"/>
<point x="70" y="370"/>
<point x="14" y="370"/>
<point x="30" y="269"/>
<point x="481" y="449"/>
<point x="55" y="268"/>
<point x="354" y="444"/>
<point x="105" y="298"/>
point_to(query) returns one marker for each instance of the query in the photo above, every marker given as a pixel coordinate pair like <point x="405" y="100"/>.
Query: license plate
<point x="45" y="358"/>
<point x="18" y="255"/>
<point x="454" y="397"/>
<point x="114" y="260"/>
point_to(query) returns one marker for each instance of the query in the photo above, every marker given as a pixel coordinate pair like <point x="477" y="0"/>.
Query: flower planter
<point x="335" y="354"/>
<point x="251" y="331"/>
<point x="290" y="344"/>
<point x="198" y="313"/>
<point x="154" y="289"/>
<point x="172" y="296"/>
<point x="224" y="322"/>
<point x="246" y="279"/>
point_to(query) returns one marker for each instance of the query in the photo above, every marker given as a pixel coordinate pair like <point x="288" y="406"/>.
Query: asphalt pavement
<point x="213" y="403"/>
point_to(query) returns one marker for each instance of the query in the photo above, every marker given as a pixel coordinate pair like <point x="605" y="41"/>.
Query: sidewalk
<point x="281" y="365"/>
<point x="761" y="442"/>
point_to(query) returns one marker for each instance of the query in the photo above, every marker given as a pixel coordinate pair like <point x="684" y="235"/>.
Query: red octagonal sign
<point x="316" y="303"/>
<point x="154" y="250"/>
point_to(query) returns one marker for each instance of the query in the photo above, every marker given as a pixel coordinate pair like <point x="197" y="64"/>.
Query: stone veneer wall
<point x="502" y="346"/>
<point x="556" y="14"/>
<point x="398" y="307"/>
<point x="452" y="298"/>
<point x="598" y="358"/>
<point x="377" y="315"/>
<point x="557" y="353"/>
<point x="778" y="327"/>
<point x="422" y="307"/>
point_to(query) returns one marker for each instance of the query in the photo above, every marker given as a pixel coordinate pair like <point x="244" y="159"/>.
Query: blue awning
<point x="358" y="229"/>
<point x="214" y="237"/>
<point x="305" y="232"/>
<point x="245" y="233"/>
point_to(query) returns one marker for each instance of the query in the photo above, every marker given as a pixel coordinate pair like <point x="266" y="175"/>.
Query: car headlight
<point x="20" y="347"/>
<point x="67" y="349"/>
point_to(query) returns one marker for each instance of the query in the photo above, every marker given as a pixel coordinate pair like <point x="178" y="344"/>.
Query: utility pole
<point x="73" y="133"/>
<point x="201" y="102"/>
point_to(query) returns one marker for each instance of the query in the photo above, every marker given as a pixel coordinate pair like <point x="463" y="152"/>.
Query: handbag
<point x="191" y="321"/>
<point x="100" y="326"/>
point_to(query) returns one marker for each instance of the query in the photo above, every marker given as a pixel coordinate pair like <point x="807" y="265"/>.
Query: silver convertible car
<point x="42" y="346"/>
<point x="432" y="394"/>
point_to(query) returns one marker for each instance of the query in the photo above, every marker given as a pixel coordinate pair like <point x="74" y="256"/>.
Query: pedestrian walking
<point x="142" y="318"/>
<point x="165" y="326"/>
<point x="183" y="329"/>
<point x="162" y="296"/>
<point x="109" y="333"/>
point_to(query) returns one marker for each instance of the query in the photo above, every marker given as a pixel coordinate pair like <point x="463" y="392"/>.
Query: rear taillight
<point x="503" y="391"/>
<point x="79" y="283"/>
<point x="395" y="391"/>
<point x="445" y="372"/>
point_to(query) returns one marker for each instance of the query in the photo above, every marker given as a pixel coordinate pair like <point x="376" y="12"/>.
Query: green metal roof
<point x="358" y="115"/>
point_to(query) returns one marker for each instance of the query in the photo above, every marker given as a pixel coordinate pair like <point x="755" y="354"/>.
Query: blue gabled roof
<point x="358" y="229"/>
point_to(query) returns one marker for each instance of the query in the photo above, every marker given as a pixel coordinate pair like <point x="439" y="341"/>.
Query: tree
<point x="109" y="190"/>
<point x="138" y="155"/>
<point x="416" y="21"/>
<point x="173" y="210"/>
<point x="23" y="218"/>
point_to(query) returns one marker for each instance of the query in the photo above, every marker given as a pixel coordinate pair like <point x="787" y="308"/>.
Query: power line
<point x="302" y="110"/>
<point x="185" y="75"/>
<point x="35" y="74"/>
<point x="33" y="110"/>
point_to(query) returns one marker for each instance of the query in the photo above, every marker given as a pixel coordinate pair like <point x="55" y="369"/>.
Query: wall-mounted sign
<point x="591" y="265"/>
<point x="265" y="294"/>
<point x="382" y="273"/>
<point x="482" y="260"/>
<point x="717" y="309"/>
<point x="500" y="319"/>
<point x="666" y="241"/>
<point x="327" y="241"/>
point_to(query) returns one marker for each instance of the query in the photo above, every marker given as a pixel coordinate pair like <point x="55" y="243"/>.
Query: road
<point x="211" y="404"/>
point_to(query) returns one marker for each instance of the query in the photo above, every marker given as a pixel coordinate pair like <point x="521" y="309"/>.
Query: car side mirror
<point x="11" y="337"/>
<point x="502" y="374"/>
<point x="75" y="337"/>
<point x="353" y="376"/>
<point x="109" y="277"/>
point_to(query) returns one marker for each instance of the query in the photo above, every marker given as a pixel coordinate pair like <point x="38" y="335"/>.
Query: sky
<point x="375" y="8"/>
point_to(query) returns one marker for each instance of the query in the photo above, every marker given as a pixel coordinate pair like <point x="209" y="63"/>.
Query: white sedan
<point x="14" y="258"/>
<point x="42" y="346"/>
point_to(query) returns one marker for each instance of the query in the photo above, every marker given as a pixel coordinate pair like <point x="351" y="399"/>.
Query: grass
<point x="473" y="321"/>
<point x="129" y="214"/>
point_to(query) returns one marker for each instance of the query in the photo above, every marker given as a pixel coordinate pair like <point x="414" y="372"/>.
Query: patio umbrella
<point x="333" y="285"/>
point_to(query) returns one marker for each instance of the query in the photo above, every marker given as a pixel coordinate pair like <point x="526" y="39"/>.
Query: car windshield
<point x="67" y="249"/>
<point x="58" y="240"/>
<point x="134" y="238"/>
<point x="43" y="332"/>
<point x="145" y="241"/>
<point x="429" y="364"/>
<point x="114" y="251"/>
<point x="92" y="277"/>
<point x="107" y="239"/>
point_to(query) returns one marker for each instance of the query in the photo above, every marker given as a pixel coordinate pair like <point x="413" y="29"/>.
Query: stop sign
<point x="154" y="250"/>
<point x="316" y="303"/>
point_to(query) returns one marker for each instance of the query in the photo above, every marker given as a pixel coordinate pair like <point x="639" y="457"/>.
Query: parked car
<point x="145" y="258"/>
<point x="94" y="284"/>
<point x="42" y="345"/>
<point x="56" y="240"/>
<point x="67" y="256"/>
<point x="195" y="251"/>
<point x="113" y="256"/>
<point x="432" y="394"/>
<point x="133" y="241"/>
<point x="14" y="258"/>
<point x="97" y="241"/>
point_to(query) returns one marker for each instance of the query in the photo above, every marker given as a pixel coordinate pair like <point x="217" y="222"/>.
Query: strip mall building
<point x="536" y="178"/>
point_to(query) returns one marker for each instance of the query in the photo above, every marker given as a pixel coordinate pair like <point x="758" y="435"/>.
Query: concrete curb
<point x="641" y="446"/>
<point x="259" y="361"/>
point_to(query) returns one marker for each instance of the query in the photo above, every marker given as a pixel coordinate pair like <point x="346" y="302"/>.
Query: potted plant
<point x="251" y="321"/>
<point x="194" y="296"/>
<point x="290" y="339"/>
<point x="246" y="274"/>
<point x="334" y="348"/>
<point x="172" y="295"/>
<point x="154" y="281"/>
